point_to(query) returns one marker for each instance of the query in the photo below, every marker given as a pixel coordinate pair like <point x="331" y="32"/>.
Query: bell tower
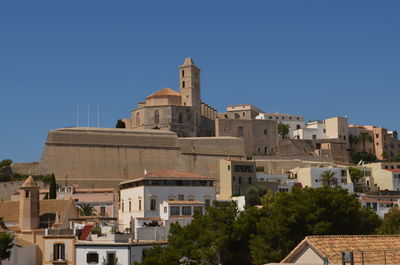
<point x="29" y="205"/>
<point x="189" y="83"/>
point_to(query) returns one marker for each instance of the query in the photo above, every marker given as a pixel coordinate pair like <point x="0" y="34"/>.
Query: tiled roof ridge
<point x="349" y="236"/>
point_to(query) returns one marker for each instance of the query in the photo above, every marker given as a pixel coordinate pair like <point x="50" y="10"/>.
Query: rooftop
<point x="165" y="92"/>
<point x="9" y="210"/>
<point x="332" y="247"/>
<point x="169" y="174"/>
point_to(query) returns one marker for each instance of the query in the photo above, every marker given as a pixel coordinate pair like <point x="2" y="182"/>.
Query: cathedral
<point x="182" y="112"/>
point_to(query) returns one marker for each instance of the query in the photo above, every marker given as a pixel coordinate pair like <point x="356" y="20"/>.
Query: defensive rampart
<point x="98" y="157"/>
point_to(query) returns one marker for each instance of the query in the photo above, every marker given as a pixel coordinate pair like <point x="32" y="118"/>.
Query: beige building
<point x="384" y="144"/>
<point x="386" y="175"/>
<point x="260" y="137"/>
<point x="182" y="112"/>
<point x="235" y="177"/>
<point x="30" y="218"/>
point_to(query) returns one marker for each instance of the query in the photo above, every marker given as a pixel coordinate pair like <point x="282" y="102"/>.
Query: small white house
<point x="111" y="253"/>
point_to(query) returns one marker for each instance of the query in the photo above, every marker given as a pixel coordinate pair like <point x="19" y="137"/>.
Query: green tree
<point x="328" y="178"/>
<point x="53" y="187"/>
<point x="209" y="239"/>
<point x="363" y="138"/>
<point x="6" y="244"/>
<point x="283" y="130"/>
<point x="5" y="163"/>
<point x="291" y="216"/>
<point x="355" y="175"/>
<point x="391" y="222"/>
<point x="253" y="195"/>
<point x="86" y="209"/>
<point x="396" y="158"/>
<point x="120" y="124"/>
<point x="366" y="157"/>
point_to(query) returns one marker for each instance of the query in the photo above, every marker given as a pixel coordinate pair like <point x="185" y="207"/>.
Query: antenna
<point x="98" y="116"/>
<point x="88" y="114"/>
<point x="77" y="114"/>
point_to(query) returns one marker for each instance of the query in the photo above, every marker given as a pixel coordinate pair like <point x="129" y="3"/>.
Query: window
<point x="239" y="132"/>
<point x="122" y="206"/>
<point x="198" y="209"/>
<point x="174" y="210"/>
<point x="324" y="130"/>
<point x="58" y="252"/>
<point x="187" y="210"/>
<point x="377" y="135"/>
<point x="297" y="126"/>
<point x="265" y="150"/>
<point x="367" y="182"/>
<point x="152" y="205"/>
<point x="250" y="180"/>
<point x="156" y="117"/>
<point x="165" y="209"/>
<point x="180" y="118"/>
<point x="265" y="131"/>
<point x="314" y="137"/>
<point x="130" y="206"/>
<point x="102" y="211"/>
<point x="183" y="73"/>
<point x="344" y="137"/>
<point x="377" y="143"/>
<point x="26" y="194"/>
<point x="111" y="260"/>
<point x="207" y="202"/>
<point x="238" y="168"/>
<point x="233" y="178"/>
<point x="181" y="197"/>
<point x="92" y="258"/>
<point x="244" y="114"/>
<point x="140" y="205"/>
<point x="229" y="167"/>
<point x="240" y="180"/>
<point x="137" y="119"/>
<point x="344" y="173"/>
<point x="183" y="84"/>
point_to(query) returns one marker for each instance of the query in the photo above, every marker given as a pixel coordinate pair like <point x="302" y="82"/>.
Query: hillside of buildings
<point x="180" y="183"/>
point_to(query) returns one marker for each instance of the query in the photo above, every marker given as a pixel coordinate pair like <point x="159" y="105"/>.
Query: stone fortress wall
<point x="97" y="157"/>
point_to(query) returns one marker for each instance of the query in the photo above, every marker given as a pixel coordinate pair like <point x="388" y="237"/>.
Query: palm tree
<point x="328" y="178"/>
<point x="364" y="137"/>
<point x="86" y="209"/>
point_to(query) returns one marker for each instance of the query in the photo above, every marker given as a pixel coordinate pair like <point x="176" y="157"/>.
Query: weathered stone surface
<point x="93" y="157"/>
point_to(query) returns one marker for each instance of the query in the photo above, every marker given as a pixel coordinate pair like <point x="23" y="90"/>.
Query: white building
<point x="332" y="128"/>
<point x="149" y="203"/>
<point x="312" y="177"/>
<point x="108" y="251"/>
<point x="295" y="122"/>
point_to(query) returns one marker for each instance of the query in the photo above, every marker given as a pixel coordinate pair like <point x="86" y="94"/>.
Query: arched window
<point x="183" y="73"/>
<point x="137" y="119"/>
<point x="239" y="131"/>
<point x="183" y="84"/>
<point x="180" y="118"/>
<point x="156" y="117"/>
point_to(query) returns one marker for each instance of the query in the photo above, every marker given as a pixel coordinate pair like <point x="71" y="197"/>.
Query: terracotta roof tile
<point x="165" y="92"/>
<point x="29" y="182"/>
<point x="371" y="247"/>
<point x="9" y="210"/>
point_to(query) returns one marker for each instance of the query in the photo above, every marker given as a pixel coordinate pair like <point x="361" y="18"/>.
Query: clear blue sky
<point x="314" y="58"/>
